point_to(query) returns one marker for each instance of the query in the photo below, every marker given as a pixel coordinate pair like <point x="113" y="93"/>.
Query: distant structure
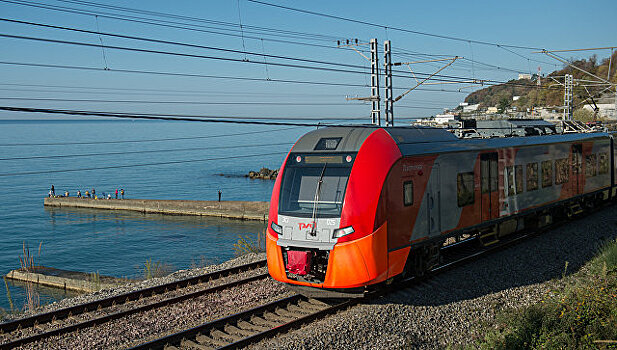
<point x="524" y="76"/>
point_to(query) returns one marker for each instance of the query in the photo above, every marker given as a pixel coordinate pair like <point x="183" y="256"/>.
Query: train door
<point x="433" y="202"/>
<point x="489" y="180"/>
<point x="577" y="169"/>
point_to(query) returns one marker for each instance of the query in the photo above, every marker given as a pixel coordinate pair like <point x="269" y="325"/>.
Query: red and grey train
<point x="357" y="206"/>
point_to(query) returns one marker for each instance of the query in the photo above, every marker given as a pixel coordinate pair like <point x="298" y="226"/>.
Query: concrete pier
<point x="226" y="209"/>
<point x="64" y="279"/>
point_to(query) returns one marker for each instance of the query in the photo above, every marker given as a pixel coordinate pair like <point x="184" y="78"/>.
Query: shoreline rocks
<point x="263" y="174"/>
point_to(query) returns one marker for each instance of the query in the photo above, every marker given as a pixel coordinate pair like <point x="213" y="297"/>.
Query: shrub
<point x="582" y="312"/>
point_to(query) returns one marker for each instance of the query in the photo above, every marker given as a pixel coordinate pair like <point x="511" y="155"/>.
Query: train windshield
<point x="312" y="188"/>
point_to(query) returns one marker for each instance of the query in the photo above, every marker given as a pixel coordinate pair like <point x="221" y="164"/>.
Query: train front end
<point x="323" y="237"/>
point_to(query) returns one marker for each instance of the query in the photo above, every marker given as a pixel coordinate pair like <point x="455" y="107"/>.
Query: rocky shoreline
<point x="263" y="174"/>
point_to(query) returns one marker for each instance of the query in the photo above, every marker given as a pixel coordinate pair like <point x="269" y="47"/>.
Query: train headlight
<point x="276" y="228"/>
<point x="340" y="232"/>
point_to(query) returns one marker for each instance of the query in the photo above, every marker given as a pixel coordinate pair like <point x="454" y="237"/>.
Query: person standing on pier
<point x="220" y="192"/>
<point x="78" y="193"/>
<point x="122" y="192"/>
<point x="93" y="193"/>
<point x="53" y="191"/>
<point x="116" y="193"/>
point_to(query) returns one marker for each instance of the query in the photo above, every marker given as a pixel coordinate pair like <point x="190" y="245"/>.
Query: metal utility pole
<point x="374" y="97"/>
<point x="375" y="101"/>
<point x="388" y="76"/>
<point x="568" y="96"/>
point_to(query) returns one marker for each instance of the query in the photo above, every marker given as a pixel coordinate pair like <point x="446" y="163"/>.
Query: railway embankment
<point x="243" y="210"/>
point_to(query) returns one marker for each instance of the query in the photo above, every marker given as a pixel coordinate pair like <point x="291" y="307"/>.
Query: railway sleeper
<point x="220" y="335"/>
<point x="297" y="310"/>
<point x="203" y="339"/>
<point x="191" y="344"/>
<point x="237" y="331"/>
<point x="263" y="322"/>
<point x="251" y="326"/>
<point x="288" y="314"/>
<point x="270" y="316"/>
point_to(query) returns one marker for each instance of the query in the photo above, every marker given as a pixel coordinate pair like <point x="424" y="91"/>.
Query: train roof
<point x="415" y="140"/>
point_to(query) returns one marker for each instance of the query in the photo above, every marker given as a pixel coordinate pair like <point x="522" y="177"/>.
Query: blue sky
<point x="542" y="24"/>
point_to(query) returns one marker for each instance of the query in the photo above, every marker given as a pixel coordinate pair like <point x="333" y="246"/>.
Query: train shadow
<point x="563" y="250"/>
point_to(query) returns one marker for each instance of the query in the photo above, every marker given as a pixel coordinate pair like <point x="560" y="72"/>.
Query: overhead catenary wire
<point x="145" y="140"/>
<point x="98" y="168"/>
<point x="145" y="151"/>
<point x="233" y="103"/>
<point x="167" y="24"/>
<point x="210" y="48"/>
<point x="389" y="27"/>
<point x="178" y="117"/>
<point x="197" y="75"/>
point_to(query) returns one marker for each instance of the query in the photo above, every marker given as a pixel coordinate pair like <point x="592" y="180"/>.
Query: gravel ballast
<point x="446" y="310"/>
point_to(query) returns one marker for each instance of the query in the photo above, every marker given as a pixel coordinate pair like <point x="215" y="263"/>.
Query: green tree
<point x="503" y="103"/>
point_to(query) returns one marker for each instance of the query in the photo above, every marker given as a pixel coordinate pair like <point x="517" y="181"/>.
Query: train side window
<point x="603" y="163"/>
<point x="465" y="189"/>
<point x="408" y="193"/>
<point x="562" y="171"/>
<point x="518" y="174"/>
<point x="510" y="180"/>
<point x="590" y="165"/>
<point x="547" y="173"/>
<point x="532" y="176"/>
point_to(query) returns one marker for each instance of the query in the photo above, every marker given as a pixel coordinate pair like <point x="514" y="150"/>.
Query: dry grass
<point x="27" y="264"/>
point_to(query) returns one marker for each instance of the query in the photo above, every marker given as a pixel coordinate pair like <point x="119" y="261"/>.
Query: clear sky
<point x="276" y="31"/>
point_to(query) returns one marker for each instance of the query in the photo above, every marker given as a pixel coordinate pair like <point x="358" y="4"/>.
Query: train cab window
<point x="518" y="170"/>
<point x="590" y="165"/>
<point x="408" y="193"/>
<point x="465" y="189"/>
<point x="562" y="171"/>
<point x="603" y="163"/>
<point x="532" y="176"/>
<point x="547" y="173"/>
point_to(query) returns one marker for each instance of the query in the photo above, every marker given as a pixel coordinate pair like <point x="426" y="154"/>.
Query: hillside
<point x="551" y="94"/>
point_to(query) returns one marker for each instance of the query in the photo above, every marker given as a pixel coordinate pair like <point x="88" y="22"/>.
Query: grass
<point x="247" y="245"/>
<point x="95" y="280"/>
<point x="154" y="269"/>
<point x="27" y="264"/>
<point x="580" y="315"/>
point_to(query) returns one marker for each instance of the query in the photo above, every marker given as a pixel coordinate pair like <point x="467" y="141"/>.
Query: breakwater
<point x="242" y="210"/>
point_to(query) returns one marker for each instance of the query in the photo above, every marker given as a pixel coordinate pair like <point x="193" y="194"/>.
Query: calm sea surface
<point x="119" y="243"/>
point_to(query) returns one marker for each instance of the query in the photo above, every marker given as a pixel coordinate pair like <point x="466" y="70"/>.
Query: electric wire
<point x="168" y="24"/>
<point x="145" y="140"/>
<point x="177" y="43"/>
<point x="347" y="19"/>
<point x="145" y="151"/>
<point x="138" y="165"/>
<point x="196" y="75"/>
<point x="232" y="103"/>
<point x="198" y="46"/>
<point x="180" y="117"/>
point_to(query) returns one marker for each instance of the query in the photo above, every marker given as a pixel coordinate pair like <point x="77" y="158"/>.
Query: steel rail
<point x="226" y="332"/>
<point x="53" y="316"/>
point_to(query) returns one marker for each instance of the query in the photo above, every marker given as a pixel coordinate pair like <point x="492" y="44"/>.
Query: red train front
<point x="323" y="229"/>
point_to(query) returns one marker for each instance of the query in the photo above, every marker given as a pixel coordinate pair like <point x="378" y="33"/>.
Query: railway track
<point x="248" y="327"/>
<point x="62" y="321"/>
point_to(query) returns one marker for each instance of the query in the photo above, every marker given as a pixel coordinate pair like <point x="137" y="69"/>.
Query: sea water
<point x="196" y="160"/>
